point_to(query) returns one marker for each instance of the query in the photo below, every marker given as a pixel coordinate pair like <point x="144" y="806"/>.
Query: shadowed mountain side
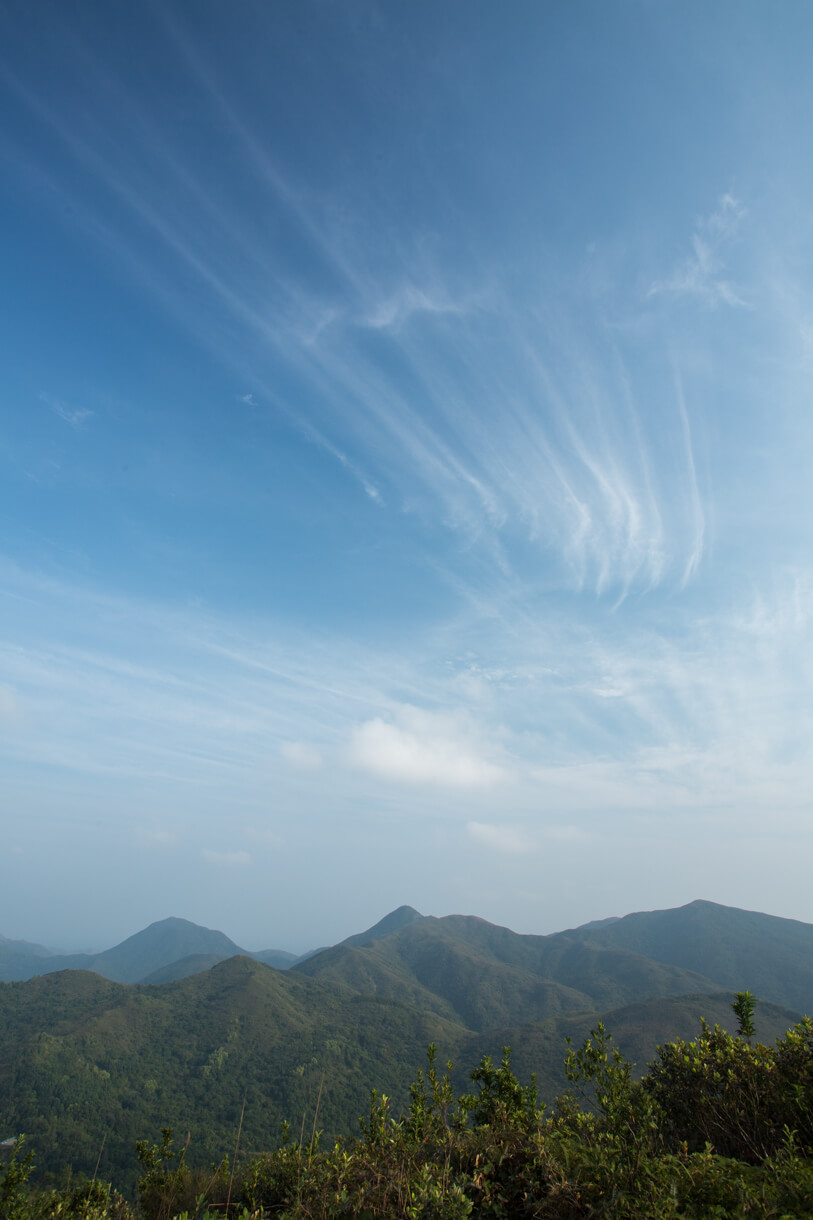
<point x="483" y="992"/>
<point x="369" y="972"/>
<point x="608" y="976"/>
<point x="637" y="1030"/>
<point x="741" y="950"/>
<point x="490" y="976"/>
<point x="82" y="1057"/>
<point x="448" y="979"/>
<point x="182" y="969"/>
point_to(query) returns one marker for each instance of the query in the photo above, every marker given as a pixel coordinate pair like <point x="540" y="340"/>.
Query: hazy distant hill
<point x="278" y="958"/>
<point x="22" y="948"/>
<point x="740" y="950"/>
<point x="483" y="975"/>
<point x="159" y="953"/>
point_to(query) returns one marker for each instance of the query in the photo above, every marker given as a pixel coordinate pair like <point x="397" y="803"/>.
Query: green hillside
<point x="83" y="1059"/>
<point x="740" y="950"/>
<point x="483" y="976"/>
<point x="637" y="1030"/>
<point x="86" y="1060"/>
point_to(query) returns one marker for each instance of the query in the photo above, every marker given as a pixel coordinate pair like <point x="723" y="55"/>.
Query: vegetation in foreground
<point x="717" y="1127"/>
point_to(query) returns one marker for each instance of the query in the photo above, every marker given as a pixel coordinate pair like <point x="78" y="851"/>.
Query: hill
<point x="86" y="1057"/>
<point x="482" y="975"/>
<point x="740" y="950"/>
<point x="159" y="953"/>
<point x="83" y="1057"/>
<point x="401" y="917"/>
<point x="637" y="1030"/>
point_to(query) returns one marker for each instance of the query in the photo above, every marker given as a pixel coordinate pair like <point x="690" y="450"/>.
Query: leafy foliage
<point x="716" y="1128"/>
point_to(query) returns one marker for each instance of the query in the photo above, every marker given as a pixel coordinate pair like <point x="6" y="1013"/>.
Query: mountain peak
<point x="401" y="917"/>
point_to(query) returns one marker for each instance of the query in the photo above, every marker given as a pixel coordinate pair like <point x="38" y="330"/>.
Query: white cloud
<point x="229" y="858"/>
<point x="506" y="839"/>
<point x="424" y="748"/>
<point x="300" y="755"/>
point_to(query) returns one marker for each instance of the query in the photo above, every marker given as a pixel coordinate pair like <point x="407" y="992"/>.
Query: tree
<point x="744" y="1005"/>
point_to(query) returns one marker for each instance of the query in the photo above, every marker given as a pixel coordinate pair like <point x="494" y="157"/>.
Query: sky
<point x="405" y="463"/>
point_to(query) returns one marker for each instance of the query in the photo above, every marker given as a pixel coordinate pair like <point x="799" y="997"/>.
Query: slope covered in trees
<point x="88" y="1064"/>
<point x="717" y="1127"/>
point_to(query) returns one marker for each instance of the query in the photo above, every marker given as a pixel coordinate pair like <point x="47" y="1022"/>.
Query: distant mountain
<point x="166" y="950"/>
<point x="19" y="959"/>
<point x="465" y="969"/>
<point x="402" y="917"/>
<point x="483" y="975"/>
<point x="18" y="964"/>
<point x="164" y="942"/>
<point x="278" y="958"/>
<point x="740" y="950"/>
<point x="195" y="963"/>
<point x="23" y="948"/>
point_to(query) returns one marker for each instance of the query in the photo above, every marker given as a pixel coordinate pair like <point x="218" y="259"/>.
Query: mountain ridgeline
<point x="177" y="1025"/>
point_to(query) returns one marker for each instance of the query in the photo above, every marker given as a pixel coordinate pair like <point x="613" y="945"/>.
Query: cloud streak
<point x="486" y="416"/>
<point x="703" y="274"/>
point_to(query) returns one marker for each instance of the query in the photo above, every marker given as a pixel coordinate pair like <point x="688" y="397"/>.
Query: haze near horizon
<point x="405" y="458"/>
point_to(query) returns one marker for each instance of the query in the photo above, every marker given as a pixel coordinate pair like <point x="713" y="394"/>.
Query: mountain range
<point x="468" y="970"/>
<point x="169" y="949"/>
<point x="177" y="1025"/>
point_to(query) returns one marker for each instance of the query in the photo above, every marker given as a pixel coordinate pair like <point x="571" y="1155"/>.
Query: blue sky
<point x="405" y="459"/>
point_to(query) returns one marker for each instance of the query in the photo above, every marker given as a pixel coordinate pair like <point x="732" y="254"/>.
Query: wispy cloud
<point x="453" y="397"/>
<point x="697" y="517"/>
<point x="397" y="308"/>
<point x="704" y="274"/>
<point x="75" y="416"/>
